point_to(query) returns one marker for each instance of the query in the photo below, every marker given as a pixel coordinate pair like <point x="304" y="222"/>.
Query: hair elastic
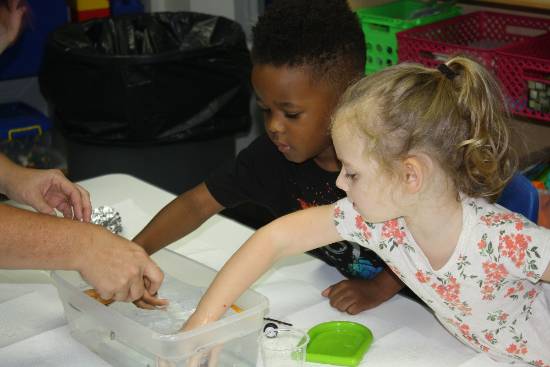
<point x="447" y="71"/>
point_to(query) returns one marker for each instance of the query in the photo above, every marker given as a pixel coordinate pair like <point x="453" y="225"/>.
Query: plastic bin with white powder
<point x="126" y="336"/>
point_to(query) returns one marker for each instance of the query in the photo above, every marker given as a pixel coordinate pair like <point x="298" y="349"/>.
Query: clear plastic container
<point x="121" y="335"/>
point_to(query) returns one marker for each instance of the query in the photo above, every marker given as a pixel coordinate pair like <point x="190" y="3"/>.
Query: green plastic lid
<point x="341" y="343"/>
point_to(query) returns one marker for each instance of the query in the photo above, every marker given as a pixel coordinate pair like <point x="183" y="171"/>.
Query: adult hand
<point x="357" y="295"/>
<point x="46" y="190"/>
<point x="11" y="18"/>
<point x="150" y="301"/>
<point x="119" y="269"/>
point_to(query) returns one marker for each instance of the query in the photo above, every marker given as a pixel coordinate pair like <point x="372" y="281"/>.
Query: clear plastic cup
<point x="286" y="349"/>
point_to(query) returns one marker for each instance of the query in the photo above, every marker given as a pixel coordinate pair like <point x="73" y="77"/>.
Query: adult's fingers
<point x="154" y="300"/>
<point x="105" y="294"/>
<point x="73" y="195"/>
<point x="86" y="203"/>
<point x="136" y="290"/>
<point x="122" y="295"/>
<point x="66" y="209"/>
<point x="142" y="304"/>
<point x="41" y="205"/>
<point x="154" y="276"/>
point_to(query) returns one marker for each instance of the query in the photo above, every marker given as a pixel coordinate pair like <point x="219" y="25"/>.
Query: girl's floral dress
<point x="487" y="293"/>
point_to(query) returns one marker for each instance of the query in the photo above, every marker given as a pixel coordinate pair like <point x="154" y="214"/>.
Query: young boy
<point x="305" y="53"/>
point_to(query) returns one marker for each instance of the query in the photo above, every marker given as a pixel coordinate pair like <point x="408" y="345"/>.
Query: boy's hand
<point x="356" y="295"/>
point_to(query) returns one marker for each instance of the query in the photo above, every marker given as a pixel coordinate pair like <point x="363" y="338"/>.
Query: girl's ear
<point x="414" y="172"/>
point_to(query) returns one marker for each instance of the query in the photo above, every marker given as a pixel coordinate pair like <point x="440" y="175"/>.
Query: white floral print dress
<point x="487" y="293"/>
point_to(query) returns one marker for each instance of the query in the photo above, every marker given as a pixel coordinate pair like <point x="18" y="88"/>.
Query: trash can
<point x="159" y="96"/>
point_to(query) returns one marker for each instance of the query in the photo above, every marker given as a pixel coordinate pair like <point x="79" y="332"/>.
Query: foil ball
<point x="107" y="217"/>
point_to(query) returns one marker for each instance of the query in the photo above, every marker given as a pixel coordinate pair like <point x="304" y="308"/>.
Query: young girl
<point x="424" y="153"/>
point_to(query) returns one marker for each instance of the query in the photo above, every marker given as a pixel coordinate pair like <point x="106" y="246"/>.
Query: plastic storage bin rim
<point x="400" y="23"/>
<point x="409" y="34"/>
<point x="512" y="50"/>
<point x="515" y="54"/>
<point x="75" y="298"/>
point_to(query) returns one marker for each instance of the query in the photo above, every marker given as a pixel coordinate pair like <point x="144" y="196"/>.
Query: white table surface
<point x="33" y="331"/>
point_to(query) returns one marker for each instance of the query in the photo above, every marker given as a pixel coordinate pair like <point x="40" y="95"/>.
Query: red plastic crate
<point x="479" y="35"/>
<point x="524" y="71"/>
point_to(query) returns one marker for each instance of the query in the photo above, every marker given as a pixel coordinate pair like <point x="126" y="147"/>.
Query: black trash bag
<point x="148" y="78"/>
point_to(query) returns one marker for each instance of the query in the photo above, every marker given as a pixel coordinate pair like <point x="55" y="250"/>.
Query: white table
<point x="34" y="332"/>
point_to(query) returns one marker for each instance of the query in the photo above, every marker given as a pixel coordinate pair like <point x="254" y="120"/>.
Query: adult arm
<point x="181" y="216"/>
<point x="114" y="266"/>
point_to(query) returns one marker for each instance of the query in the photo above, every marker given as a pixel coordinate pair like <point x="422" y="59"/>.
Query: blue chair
<point x="522" y="197"/>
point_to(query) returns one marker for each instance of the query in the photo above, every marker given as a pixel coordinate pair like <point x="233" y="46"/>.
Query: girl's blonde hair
<point x="457" y="116"/>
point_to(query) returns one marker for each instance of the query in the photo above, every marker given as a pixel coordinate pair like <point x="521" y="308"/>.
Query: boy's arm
<point x="180" y="217"/>
<point x="291" y="234"/>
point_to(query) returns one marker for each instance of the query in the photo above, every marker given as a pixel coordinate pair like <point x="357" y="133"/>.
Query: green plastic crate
<point x="381" y="23"/>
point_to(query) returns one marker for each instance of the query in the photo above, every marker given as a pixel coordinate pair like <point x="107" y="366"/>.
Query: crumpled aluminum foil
<point x="107" y="217"/>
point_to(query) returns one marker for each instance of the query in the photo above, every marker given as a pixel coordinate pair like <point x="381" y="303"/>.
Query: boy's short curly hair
<point x="324" y="35"/>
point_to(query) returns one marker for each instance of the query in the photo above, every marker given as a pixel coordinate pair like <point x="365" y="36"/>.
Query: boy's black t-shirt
<point x="262" y="175"/>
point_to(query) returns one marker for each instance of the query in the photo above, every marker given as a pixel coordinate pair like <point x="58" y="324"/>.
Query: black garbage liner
<point x="148" y="78"/>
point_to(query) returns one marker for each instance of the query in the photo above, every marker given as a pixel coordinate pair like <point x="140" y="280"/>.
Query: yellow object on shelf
<point x="84" y="5"/>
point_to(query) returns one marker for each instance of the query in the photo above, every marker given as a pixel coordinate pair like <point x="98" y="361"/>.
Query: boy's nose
<point x="274" y="125"/>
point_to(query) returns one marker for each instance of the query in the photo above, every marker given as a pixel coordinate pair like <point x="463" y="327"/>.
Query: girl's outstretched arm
<point x="292" y="234"/>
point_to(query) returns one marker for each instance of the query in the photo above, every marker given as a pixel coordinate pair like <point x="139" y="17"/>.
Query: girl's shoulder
<point x="506" y="238"/>
<point x="486" y="217"/>
<point x="492" y="215"/>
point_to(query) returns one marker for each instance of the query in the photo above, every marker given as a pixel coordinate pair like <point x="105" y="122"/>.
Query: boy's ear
<point x="414" y="173"/>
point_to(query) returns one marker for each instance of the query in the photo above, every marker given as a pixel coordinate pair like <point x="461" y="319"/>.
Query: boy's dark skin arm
<point x="189" y="210"/>
<point x="357" y="295"/>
